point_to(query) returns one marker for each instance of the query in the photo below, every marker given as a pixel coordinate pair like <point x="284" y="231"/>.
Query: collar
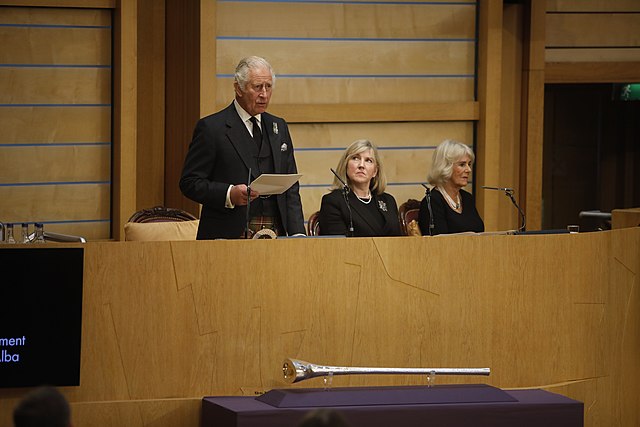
<point x="244" y="115"/>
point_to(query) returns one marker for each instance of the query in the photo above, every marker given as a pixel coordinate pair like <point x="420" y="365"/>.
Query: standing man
<point x="226" y="145"/>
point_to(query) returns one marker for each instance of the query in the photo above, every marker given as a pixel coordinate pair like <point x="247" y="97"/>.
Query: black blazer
<point x="445" y="219"/>
<point x="219" y="156"/>
<point x="334" y="215"/>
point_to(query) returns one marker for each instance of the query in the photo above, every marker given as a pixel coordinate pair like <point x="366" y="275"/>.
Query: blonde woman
<point x="454" y="209"/>
<point x="363" y="208"/>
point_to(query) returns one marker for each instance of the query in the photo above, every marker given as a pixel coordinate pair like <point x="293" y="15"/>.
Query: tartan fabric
<point x="258" y="223"/>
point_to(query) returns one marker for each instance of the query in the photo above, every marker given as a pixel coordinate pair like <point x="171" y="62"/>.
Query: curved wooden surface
<point x="166" y="323"/>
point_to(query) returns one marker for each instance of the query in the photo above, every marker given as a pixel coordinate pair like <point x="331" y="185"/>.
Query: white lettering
<point x="10" y="342"/>
<point x="7" y="357"/>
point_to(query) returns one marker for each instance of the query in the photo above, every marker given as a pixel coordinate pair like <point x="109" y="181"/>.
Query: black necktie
<point x="257" y="133"/>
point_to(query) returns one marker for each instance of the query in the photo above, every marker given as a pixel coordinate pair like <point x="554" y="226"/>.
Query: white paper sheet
<point x="270" y="183"/>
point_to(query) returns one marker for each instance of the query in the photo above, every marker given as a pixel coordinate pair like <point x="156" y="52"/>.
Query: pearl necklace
<point x="366" y="199"/>
<point x="454" y="205"/>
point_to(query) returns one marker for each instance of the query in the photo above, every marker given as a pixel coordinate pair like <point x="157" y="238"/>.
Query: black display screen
<point x="40" y="316"/>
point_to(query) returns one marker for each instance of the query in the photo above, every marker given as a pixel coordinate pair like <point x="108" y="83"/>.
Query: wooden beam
<point x="532" y="130"/>
<point x="125" y="104"/>
<point x="488" y="141"/>
<point x="592" y="72"/>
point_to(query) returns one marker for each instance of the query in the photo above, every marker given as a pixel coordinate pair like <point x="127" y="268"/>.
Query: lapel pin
<point x="382" y="205"/>
<point x="275" y="129"/>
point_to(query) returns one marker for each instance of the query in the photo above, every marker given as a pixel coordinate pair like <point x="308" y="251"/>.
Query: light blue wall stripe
<point x="99" y="27"/>
<point x="53" y="66"/>
<point x="70" y="221"/>
<point x="415" y="147"/>
<point x="342" y="39"/>
<point x="56" y="144"/>
<point x="55" y="105"/>
<point x="37" y="184"/>
<point x="367" y="76"/>
<point x="392" y="184"/>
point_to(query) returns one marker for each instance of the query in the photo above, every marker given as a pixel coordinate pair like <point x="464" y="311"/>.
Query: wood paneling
<point x="592" y="6"/>
<point x="594" y="55"/>
<point x="184" y="76"/>
<point x="370" y="302"/>
<point x="107" y="4"/>
<point x="592" y="72"/>
<point x="55" y="112"/>
<point x="31" y="86"/>
<point x="62" y="46"/>
<point x="26" y="125"/>
<point x="125" y="115"/>
<point x="593" y="30"/>
<point x="353" y="58"/>
<point x="41" y="203"/>
<point x="336" y="91"/>
<point x="377" y="112"/>
<point x="150" y="170"/>
<point x="489" y="96"/>
<point x="347" y="20"/>
<point x="624" y="218"/>
<point x="54" y="163"/>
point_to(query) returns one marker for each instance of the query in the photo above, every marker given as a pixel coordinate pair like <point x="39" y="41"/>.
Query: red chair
<point x="408" y="215"/>
<point x="313" y="225"/>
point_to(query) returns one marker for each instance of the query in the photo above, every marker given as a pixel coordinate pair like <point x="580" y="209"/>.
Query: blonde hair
<point x="378" y="183"/>
<point x="447" y="153"/>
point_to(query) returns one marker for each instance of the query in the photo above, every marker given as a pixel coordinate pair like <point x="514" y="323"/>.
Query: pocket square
<point x="284" y="146"/>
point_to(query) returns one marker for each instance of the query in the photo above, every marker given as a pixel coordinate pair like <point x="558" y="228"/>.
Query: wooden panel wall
<point x="592" y="41"/>
<point x="164" y="326"/>
<point x="400" y="74"/>
<point x="55" y="112"/>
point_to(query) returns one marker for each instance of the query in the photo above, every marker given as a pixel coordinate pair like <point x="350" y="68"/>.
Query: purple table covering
<point x="445" y="405"/>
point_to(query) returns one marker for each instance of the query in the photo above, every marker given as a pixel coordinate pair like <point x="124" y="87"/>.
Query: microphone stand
<point x="246" y="230"/>
<point x="345" y="193"/>
<point x="513" y="200"/>
<point x="509" y="193"/>
<point x="428" y="197"/>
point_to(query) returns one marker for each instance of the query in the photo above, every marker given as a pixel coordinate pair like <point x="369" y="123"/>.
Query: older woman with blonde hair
<point x="448" y="208"/>
<point x="358" y="205"/>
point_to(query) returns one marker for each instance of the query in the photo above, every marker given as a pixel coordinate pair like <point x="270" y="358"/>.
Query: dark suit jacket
<point x="334" y="215"/>
<point x="219" y="156"/>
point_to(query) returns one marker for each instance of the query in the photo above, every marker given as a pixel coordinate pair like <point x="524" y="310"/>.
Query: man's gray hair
<point x="252" y="63"/>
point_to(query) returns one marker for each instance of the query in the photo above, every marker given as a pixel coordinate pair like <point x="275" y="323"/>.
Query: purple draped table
<point x="443" y="405"/>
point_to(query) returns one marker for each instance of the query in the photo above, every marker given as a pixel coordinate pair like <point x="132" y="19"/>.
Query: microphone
<point x="509" y="192"/>
<point x="246" y="230"/>
<point x="345" y="193"/>
<point x="428" y="197"/>
<point x="505" y="189"/>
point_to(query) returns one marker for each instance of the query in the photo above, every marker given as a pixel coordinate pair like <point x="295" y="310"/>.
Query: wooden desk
<point x="166" y="323"/>
<point x="625" y="218"/>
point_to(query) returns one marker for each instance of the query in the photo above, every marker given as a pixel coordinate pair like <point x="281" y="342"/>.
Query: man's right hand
<point x="238" y="195"/>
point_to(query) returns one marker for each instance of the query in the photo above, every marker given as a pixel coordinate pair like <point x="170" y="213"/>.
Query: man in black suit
<point x="229" y="143"/>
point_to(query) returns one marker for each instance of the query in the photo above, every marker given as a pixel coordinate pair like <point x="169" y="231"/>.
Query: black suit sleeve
<point x="196" y="182"/>
<point x="334" y="216"/>
<point x="294" y="217"/>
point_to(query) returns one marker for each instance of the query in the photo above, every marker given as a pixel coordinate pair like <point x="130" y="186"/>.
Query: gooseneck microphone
<point x="246" y="229"/>
<point x="345" y="193"/>
<point x="432" y="225"/>
<point x="509" y="192"/>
